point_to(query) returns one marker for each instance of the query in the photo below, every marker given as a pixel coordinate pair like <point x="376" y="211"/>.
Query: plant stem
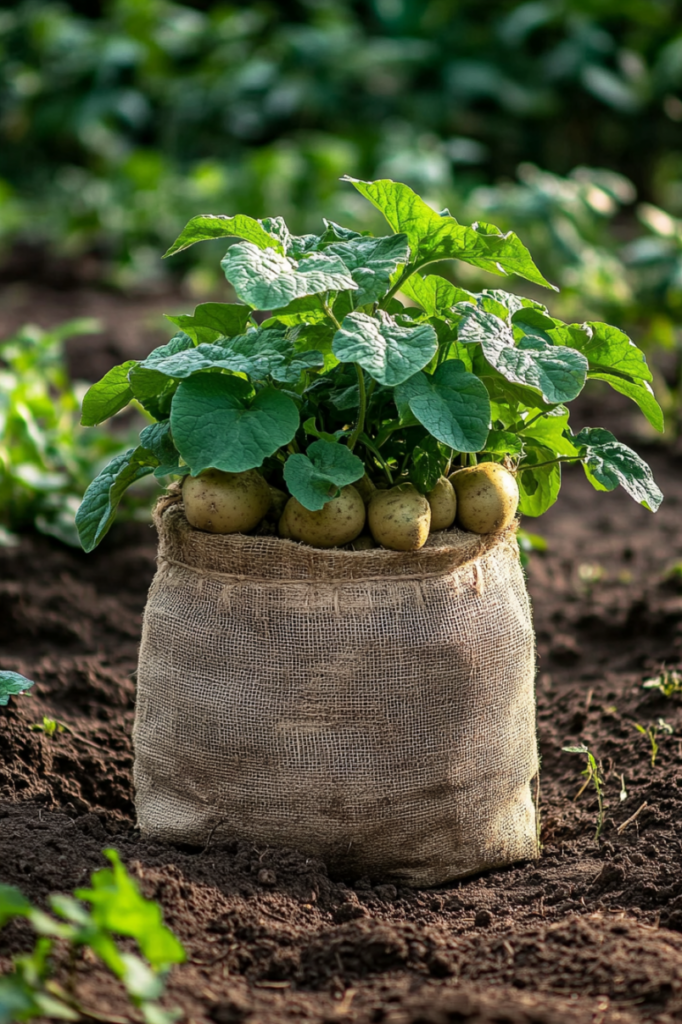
<point x="360" y="425"/>
<point x="407" y="272"/>
<point x="329" y="312"/>
<point x="378" y="456"/>
<point x="551" y="462"/>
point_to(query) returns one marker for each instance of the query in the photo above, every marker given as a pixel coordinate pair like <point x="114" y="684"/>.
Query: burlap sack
<point x="374" y="709"/>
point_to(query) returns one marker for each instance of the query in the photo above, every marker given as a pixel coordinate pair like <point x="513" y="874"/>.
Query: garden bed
<point x="590" y="933"/>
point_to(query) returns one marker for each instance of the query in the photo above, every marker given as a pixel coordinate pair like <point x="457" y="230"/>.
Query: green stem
<point x="378" y="456"/>
<point x="360" y="425"/>
<point x="551" y="462"/>
<point x="329" y="312"/>
<point x="407" y="272"/>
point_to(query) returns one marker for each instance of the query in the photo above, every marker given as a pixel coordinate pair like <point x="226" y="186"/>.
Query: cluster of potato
<point x="482" y="499"/>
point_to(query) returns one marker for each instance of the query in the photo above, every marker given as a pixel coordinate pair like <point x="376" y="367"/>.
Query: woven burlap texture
<point x="373" y="708"/>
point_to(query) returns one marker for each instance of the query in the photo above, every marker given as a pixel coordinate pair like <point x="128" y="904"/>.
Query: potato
<point x="443" y="502"/>
<point x="226" y="502"/>
<point x="364" y="543"/>
<point x="279" y="500"/>
<point x="338" y="523"/>
<point x="365" y="488"/>
<point x="400" y="518"/>
<point x="487" y="497"/>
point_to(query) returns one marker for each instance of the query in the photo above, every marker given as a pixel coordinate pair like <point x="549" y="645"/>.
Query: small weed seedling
<point x="668" y="682"/>
<point x="48" y="725"/>
<point x="12" y="683"/>
<point x="661" y="727"/>
<point x="116" y="908"/>
<point x="593" y="775"/>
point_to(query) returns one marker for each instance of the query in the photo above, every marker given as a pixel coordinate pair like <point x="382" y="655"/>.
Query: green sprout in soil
<point x="660" y="727"/>
<point x="668" y="682"/>
<point x="12" y="683"/>
<point x="116" y="908"/>
<point x="593" y="775"/>
<point x="48" y="726"/>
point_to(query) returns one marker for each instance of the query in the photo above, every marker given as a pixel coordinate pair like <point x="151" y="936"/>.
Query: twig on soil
<point x="78" y="736"/>
<point x="633" y="817"/>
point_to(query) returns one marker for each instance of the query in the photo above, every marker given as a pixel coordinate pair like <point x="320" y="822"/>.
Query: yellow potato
<point x="339" y="522"/>
<point x="226" y="502"/>
<point x="365" y="488"/>
<point x="443" y="502"/>
<point x="487" y="497"/>
<point x="400" y="518"/>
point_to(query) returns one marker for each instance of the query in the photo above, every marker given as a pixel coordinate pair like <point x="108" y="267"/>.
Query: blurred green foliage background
<point x="119" y="120"/>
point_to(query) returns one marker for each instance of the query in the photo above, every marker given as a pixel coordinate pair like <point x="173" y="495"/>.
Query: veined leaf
<point x="608" y="463"/>
<point x="208" y="225"/>
<point x="503" y="442"/>
<point x="538" y="488"/>
<point x="100" y="501"/>
<point x="267" y="280"/>
<point x="212" y="320"/>
<point x="217" y="424"/>
<point x="307" y="310"/>
<point x="558" y="373"/>
<point x="108" y="396"/>
<point x="434" y="236"/>
<point x="550" y="430"/>
<point x="371" y="262"/>
<point x="388" y="351"/>
<point x="452" y="404"/>
<point x="317" y="477"/>
<point x="11" y="683"/>
<point x="158" y="440"/>
<point x="434" y="294"/>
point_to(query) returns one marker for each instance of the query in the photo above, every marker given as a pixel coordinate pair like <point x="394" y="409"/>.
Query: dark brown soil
<point x="592" y="933"/>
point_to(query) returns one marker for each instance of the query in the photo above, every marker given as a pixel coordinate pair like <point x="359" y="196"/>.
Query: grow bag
<point x="374" y="709"/>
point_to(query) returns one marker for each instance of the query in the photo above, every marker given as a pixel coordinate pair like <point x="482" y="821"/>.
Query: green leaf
<point x="558" y="373"/>
<point x="148" y="385"/>
<point x="608" y="463"/>
<point x="97" y="510"/>
<point x="503" y="442"/>
<point x="208" y="225"/>
<point x="538" y="488"/>
<point x="13" y="903"/>
<point x="551" y="430"/>
<point x="310" y="428"/>
<point x="217" y="424"/>
<point x="119" y="907"/>
<point x="389" y="352"/>
<point x="606" y="348"/>
<point x="108" y="396"/>
<point x="317" y="477"/>
<point x="371" y="262"/>
<point x="11" y="683"/>
<point x="452" y="404"/>
<point x="639" y="392"/>
<point x="434" y="294"/>
<point x="267" y="280"/>
<point x="434" y="236"/>
<point x="427" y="464"/>
<point x="307" y="310"/>
<point x="158" y="440"/>
<point x="212" y="320"/>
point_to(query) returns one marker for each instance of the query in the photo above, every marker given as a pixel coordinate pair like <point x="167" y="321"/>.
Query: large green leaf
<point x="11" y="683"/>
<point x="434" y="294"/>
<point x="452" y="404"/>
<point x="100" y="501"/>
<point x="259" y="353"/>
<point x="371" y="262"/>
<point x="434" y="236"/>
<point x="317" y="477"/>
<point x="267" y="280"/>
<point x="550" y="430"/>
<point x="307" y="310"/>
<point x="614" y="358"/>
<point x="538" y="488"/>
<point x="503" y="442"/>
<point x="212" y="320"/>
<point x="217" y="423"/>
<point x="558" y="373"/>
<point x="388" y="351"/>
<point x="108" y="396"/>
<point x="207" y="225"/>
<point x="147" y="383"/>
<point x="608" y="463"/>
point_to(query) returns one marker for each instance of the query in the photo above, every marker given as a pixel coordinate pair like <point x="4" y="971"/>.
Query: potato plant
<point x="364" y="366"/>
